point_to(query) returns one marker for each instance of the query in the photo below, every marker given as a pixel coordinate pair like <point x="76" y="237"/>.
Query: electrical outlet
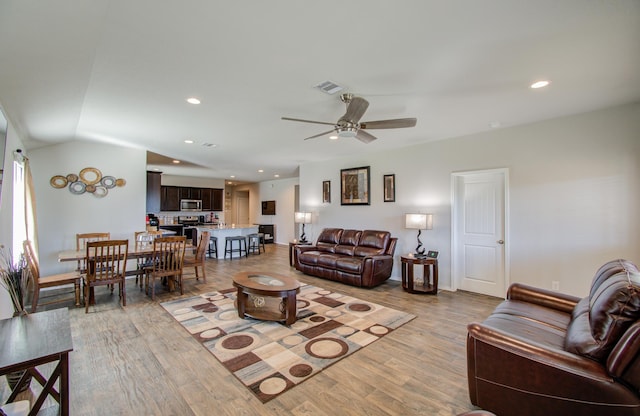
<point x="555" y="285"/>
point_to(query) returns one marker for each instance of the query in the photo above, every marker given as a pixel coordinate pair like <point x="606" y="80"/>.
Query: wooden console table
<point x="428" y="286"/>
<point x="36" y="339"/>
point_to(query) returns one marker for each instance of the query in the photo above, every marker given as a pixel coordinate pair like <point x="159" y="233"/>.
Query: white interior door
<point x="243" y="209"/>
<point x="479" y="230"/>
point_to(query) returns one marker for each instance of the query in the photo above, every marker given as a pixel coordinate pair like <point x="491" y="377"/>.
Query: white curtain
<point x="30" y="221"/>
<point x="24" y="224"/>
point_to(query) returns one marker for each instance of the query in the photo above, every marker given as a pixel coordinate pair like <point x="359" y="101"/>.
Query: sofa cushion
<point x="309" y="257"/>
<point x="530" y="322"/>
<point x="349" y="264"/>
<point x="328" y="239"/>
<point x="372" y="243"/>
<point x="612" y="308"/>
<point x="348" y="242"/>
<point x="327" y="260"/>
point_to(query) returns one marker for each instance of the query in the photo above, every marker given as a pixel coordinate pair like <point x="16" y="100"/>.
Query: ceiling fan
<point x="349" y="124"/>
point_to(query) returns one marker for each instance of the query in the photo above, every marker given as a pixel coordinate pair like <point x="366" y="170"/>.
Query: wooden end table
<point x="35" y="339"/>
<point x="430" y="265"/>
<point x="266" y="285"/>
<point x="292" y="251"/>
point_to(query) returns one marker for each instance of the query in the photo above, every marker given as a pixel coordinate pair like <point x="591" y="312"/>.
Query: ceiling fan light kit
<point x="349" y="124"/>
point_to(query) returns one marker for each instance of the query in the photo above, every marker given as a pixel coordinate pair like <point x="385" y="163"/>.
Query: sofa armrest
<point x="539" y="353"/>
<point x="547" y="298"/>
<point x="376" y="269"/>
<point x="301" y="248"/>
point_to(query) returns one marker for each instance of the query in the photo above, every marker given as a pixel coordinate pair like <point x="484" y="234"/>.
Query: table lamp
<point x="302" y="218"/>
<point x="418" y="222"/>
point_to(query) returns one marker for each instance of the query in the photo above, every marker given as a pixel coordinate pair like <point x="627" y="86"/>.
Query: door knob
<point x="500" y="241"/>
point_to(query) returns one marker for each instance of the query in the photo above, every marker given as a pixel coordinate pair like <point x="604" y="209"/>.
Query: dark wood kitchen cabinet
<point x="170" y="198"/>
<point x="206" y="198"/>
<point x="217" y="199"/>
<point x="154" y="190"/>
<point x="212" y="198"/>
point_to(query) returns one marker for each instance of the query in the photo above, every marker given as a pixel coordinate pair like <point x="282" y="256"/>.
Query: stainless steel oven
<point x="190" y="205"/>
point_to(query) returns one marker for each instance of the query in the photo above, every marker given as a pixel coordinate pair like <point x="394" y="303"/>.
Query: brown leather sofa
<point x="545" y="353"/>
<point x="358" y="258"/>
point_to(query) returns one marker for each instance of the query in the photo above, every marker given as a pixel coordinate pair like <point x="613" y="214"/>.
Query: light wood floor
<point x="138" y="361"/>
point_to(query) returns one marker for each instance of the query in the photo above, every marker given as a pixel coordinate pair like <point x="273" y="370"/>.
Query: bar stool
<point x="228" y="246"/>
<point x="261" y="235"/>
<point x="213" y="247"/>
<point x="254" y="243"/>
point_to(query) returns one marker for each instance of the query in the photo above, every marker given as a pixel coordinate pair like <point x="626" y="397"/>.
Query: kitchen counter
<point x="222" y="232"/>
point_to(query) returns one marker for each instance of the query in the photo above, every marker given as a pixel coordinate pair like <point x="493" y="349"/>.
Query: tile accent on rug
<point x="269" y="358"/>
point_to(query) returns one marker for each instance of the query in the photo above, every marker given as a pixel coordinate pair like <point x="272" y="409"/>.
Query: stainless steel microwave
<point x="190" y="205"/>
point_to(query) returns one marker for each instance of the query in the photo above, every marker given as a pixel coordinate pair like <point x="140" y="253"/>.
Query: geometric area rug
<point x="269" y="357"/>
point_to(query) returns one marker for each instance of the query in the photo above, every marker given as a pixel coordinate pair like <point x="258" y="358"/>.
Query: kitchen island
<point x="221" y="232"/>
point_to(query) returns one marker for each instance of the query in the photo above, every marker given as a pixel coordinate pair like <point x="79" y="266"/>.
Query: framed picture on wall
<point x="326" y="191"/>
<point x="355" y="186"/>
<point x="389" y="188"/>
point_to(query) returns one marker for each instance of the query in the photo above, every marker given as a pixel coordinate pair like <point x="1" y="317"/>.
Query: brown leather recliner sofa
<point x="545" y="353"/>
<point x="358" y="258"/>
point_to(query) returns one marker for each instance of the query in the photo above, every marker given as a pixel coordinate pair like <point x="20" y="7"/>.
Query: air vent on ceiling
<point x="329" y="87"/>
<point x="209" y="145"/>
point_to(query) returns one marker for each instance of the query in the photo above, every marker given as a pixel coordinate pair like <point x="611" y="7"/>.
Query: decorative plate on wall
<point x="88" y="180"/>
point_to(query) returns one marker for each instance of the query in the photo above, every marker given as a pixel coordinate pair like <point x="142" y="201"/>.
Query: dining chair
<point x="106" y="266"/>
<point x="167" y="263"/>
<point x="144" y="240"/>
<point x="198" y="259"/>
<point x="81" y="244"/>
<point x="39" y="282"/>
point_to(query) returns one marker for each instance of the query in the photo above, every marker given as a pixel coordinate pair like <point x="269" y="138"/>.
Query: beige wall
<point x="61" y="214"/>
<point x="574" y="194"/>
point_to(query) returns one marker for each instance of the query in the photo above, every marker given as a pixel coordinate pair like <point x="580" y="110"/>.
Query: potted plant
<point x="15" y="278"/>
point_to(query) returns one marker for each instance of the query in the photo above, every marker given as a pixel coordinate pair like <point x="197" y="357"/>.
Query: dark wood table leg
<point x="64" y="385"/>
<point x="241" y="299"/>
<point x="410" y="278"/>
<point x="426" y="282"/>
<point x="435" y="278"/>
<point x="404" y="275"/>
<point x="290" y="308"/>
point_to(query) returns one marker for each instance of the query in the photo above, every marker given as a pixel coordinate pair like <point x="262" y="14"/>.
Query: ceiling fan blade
<point x="397" y="123"/>
<point x="308" y="121"/>
<point x="321" y="134"/>
<point x="355" y="109"/>
<point x="365" y="137"/>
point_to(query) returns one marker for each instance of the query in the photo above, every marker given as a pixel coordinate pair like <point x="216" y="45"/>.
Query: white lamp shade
<point x="418" y="221"/>
<point x="302" y="217"/>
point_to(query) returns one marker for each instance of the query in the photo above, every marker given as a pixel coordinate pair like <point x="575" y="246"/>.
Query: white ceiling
<point x="119" y="71"/>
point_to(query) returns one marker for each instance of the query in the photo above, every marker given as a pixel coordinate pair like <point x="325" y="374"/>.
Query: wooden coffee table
<point x="254" y="289"/>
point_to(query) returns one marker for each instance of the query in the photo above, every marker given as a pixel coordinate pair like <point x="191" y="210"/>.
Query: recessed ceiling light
<point x="188" y="141"/>
<point x="334" y="137"/>
<point x="176" y="161"/>
<point x="260" y="170"/>
<point x="539" y="84"/>
<point x="193" y="100"/>
<point x="232" y="176"/>
<point x="276" y="175"/>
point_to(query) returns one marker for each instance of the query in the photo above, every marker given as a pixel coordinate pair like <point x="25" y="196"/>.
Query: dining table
<point x="135" y="252"/>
